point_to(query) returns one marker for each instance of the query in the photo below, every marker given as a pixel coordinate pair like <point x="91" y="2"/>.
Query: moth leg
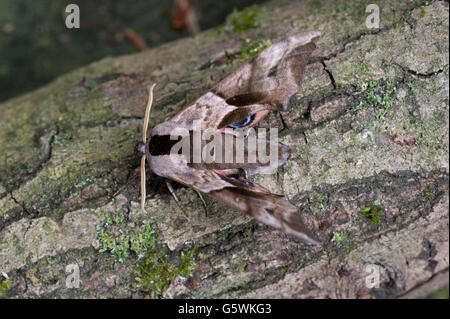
<point x="203" y="201"/>
<point x="172" y="192"/>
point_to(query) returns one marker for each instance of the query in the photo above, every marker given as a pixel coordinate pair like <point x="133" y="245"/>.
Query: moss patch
<point x="252" y="47"/>
<point x="154" y="273"/>
<point x="119" y="242"/>
<point x="339" y="238"/>
<point x="439" y="294"/>
<point x="240" y="21"/>
<point x="375" y="94"/>
<point x="372" y="212"/>
<point x="5" y="284"/>
<point x="427" y="193"/>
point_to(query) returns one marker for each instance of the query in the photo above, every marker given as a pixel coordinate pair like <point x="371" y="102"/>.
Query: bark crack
<point x="354" y="38"/>
<point x="419" y="74"/>
<point x="22" y="205"/>
<point x="357" y="36"/>
<point x="48" y="149"/>
<point x="330" y="75"/>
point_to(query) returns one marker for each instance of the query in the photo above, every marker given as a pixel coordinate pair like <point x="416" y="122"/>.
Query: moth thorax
<point x="140" y="148"/>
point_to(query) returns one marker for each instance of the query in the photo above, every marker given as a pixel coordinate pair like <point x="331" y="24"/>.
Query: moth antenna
<point x="143" y="192"/>
<point x="147" y="113"/>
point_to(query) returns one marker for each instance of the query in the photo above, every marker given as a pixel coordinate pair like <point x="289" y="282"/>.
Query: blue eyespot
<point x="238" y="179"/>
<point x="243" y="122"/>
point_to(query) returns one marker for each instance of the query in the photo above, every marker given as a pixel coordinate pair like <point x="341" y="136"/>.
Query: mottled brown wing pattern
<point x="265" y="83"/>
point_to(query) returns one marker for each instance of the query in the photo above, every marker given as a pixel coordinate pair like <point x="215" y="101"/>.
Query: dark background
<point x="36" y="46"/>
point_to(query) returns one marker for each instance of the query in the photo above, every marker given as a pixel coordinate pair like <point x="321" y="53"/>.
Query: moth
<point x="265" y="83"/>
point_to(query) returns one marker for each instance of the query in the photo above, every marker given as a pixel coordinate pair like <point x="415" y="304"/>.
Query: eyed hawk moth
<point x="239" y="101"/>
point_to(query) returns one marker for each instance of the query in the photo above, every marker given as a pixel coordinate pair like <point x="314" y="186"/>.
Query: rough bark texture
<point x="368" y="131"/>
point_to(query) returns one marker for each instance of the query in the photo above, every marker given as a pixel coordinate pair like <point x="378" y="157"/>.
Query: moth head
<point x="140" y="148"/>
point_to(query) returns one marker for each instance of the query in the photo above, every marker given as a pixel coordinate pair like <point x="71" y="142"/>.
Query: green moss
<point x="318" y="206"/>
<point x="339" y="238"/>
<point x="119" y="242"/>
<point x="245" y="19"/>
<point x="375" y="95"/>
<point x="410" y="86"/>
<point x="427" y="193"/>
<point x="372" y="212"/>
<point x="5" y="284"/>
<point x="187" y="263"/>
<point x="252" y="47"/>
<point x="239" y="267"/>
<point x="439" y="294"/>
<point x="365" y="69"/>
<point x="70" y="171"/>
<point x="154" y="272"/>
<point x="31" y="275"/>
